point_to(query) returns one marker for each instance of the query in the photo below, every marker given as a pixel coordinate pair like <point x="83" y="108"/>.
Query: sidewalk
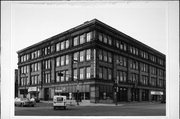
<point x="74" y="103"/>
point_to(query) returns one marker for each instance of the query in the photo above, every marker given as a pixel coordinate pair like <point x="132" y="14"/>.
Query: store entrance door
<point x="46" y="94"/>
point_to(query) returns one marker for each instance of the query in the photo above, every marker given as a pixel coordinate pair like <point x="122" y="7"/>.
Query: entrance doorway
<point x="46" y="94"/>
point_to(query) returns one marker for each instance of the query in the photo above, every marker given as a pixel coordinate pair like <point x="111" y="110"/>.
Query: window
<point x="82" y="56"/>
<point x="105" y="73"/>
<point x="67" y="44"/>
<point x="57" y="61"/>
<point x="67" y="59"/>
<point x="109" y="40"/>
<point x="75" y="57"/>
<point x="75" y="74"/>
<point x="67" y="75"/>
<point x="62" y="77"/>
<point x="62" y="45"/>
<point x="117" y="44"/>
<point x="57" y="46"/>
<point x="75" y="41"/>
<point x="82" y="39"/>
<point x="57" y="77"/>
<point x="81" y="73"/>
<point x="100" y="36"/>
<point x="88" y="72"/>
<point x="100" y="54"/>
<point x="32" y="67"/>
<point x="105" y="38"/>
<point x="35" y="67"/>
<point x="109" y="57"/>
<point x="100" y="72"/>
<point x="62" y="60"/>
<point x="88" y="54"/>
<point x="109" y="74"/>
<point x="105" y="55"/>
<point x="89" y="36"/>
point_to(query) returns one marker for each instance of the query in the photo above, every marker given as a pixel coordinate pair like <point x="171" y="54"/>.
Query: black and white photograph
<point x="90" y="59"/>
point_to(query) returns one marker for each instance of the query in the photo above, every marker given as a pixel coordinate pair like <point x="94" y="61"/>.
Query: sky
<point x="32" y="22"/>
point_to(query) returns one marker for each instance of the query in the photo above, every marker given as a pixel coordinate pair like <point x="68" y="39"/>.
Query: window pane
<point x="62" y="77"/>
<point x="88" y="54"/>
<point x="109" y="40"/>
<point x="82" y="38"/>
<point x="67" y="75"/>
<point x="62" y="60"/>
<point x="100" y="37"/>
<point x="88" y="72"/>
<point x="81" y="73"/>
<point x="67" y="44"/>
<point x="75" y="57"/>
<point x="105" y="73"/>
<point x="81" y="56"/>
<point x="105" y="38"/>
<point x="100" y="72"/>
<point x="57" y="46"/>
<point x="100" y="54"/>
<point x="75" y="74"/>
<point x="109" y="74"/>
<point x="75" y="41"/>
<point x="58" y="61"/>
<point x="89" y="36"/>
<point x="109" y="57"/>
<point x="62" y="45"/>
<point x="67" y="59"/>
<point x="105" y="55"/>
<point x="57" y="77"/>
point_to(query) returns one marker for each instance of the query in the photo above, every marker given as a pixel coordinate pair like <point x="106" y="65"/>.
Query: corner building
<point x="93" y="58"/>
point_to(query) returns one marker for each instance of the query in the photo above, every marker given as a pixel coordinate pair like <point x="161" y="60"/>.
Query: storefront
<point x="156" y="95"/>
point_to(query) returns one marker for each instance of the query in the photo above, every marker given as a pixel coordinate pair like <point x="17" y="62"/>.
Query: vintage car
<point x="59" y="101"/>
<point x="24" y="102"/>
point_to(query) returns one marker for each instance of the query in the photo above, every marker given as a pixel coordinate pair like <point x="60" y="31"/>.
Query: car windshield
<point x="59" y="99"/>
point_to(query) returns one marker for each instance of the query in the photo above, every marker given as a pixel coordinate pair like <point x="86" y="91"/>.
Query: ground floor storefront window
<point x="122" y="94"/>
<point x="145" y="95"/>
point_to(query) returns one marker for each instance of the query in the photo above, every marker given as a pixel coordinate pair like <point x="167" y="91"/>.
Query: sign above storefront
<point x="156" y="93"/>
<point x="30" y="89"/>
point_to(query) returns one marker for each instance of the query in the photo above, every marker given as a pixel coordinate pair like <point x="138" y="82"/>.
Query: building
<point x="98" y="63"/>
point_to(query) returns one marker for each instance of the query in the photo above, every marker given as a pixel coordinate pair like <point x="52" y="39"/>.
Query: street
<point x="126" y="109"/>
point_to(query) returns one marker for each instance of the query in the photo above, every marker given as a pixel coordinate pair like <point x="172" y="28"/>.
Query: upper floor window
<point x="57" y="46"/>
<point x="67" y="59"/>
<point x="81" y="56"/>
<point x="100" y="72"/>
<point x="88" y="72"/>
<point x="82" y="73"/>
<point x="47" y="64"/>
<point x="109" y="74"/>
<point x="75" y="57"/>
<point x="62" y="45"/>
<point x="82" y="39"/>
<point x="88" y="54"/>
<point x="67" y="44"/>
<point x="105" y="38"/>
<point x="109" y="57"/>
<point x="75" y="41"/>
<point x="100" y="54"/>
<point x="75" y="74"/>
<point x="89" y="36"/>
<point x="100" y="37"/>
<point x="105" y="55"/>
<point x="109" y="40"/>
<point x="62" y="60"/>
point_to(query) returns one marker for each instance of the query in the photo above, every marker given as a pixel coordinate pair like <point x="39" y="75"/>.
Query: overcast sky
<point x="31" y="23"/>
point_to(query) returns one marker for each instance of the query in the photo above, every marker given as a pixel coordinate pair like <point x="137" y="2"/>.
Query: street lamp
<point x="77" y="81"/>
<point x="24" y="75"/>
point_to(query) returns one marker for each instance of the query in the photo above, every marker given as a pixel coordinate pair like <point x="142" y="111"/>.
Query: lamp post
<point x="24" y="75"/>
<point x="115" y="92"/>
<point x="77" y="81"/>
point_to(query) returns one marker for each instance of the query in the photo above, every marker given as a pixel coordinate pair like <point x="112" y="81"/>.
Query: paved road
<point x="144" y="109"/>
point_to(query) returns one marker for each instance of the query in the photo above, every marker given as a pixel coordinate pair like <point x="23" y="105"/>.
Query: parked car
<point x="59" y="101"/>
<point x="24" y="102"/>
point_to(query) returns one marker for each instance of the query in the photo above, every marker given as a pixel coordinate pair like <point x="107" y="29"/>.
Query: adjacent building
<point x="98" y="63"/>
